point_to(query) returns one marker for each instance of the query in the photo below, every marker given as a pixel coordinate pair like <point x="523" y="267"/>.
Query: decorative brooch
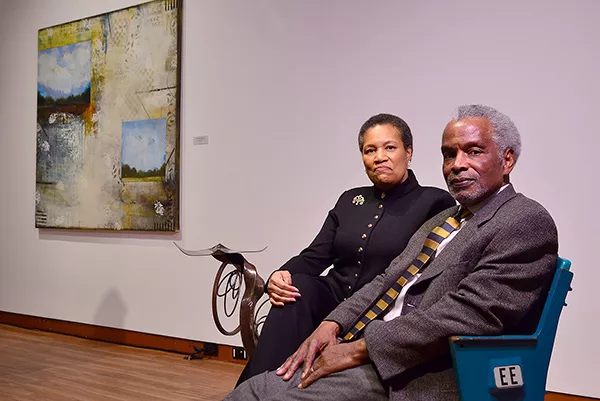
<point x="358" y="200"/>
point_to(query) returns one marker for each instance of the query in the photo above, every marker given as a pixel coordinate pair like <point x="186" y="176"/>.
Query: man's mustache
<point x="455" y="178"/>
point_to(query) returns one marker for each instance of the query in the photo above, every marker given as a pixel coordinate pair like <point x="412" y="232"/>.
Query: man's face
<point x="472" y="167"/>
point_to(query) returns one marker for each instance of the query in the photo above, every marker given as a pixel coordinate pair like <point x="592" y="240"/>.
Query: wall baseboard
<point x="112" y="335"/>
<point x="154" y="341"/>
<point x="566" y="397"/>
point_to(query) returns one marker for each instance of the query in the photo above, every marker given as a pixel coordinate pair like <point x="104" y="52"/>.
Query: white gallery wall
<point x="281" y="89"/>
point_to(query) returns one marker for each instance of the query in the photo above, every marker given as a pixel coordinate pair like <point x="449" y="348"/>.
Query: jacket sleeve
<point x="507" y="282"/>
<point x="320" y="254"/>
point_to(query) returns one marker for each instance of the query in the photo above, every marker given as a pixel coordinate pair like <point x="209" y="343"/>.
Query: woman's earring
<point x="408" y="163"/>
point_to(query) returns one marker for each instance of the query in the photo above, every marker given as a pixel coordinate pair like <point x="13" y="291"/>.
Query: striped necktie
<point x="432" y="242"/>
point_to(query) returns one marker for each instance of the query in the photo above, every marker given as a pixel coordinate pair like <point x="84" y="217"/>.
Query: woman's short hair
<point x="387" y="119"/>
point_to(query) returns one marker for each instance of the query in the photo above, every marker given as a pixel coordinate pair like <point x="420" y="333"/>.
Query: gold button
<point x="355" y="275"/>
<point x="350" y="287"/>
<point x="382" y="195"/>
<point x="376" y="217"/>
<point x="360" y="249"/>
<point x="370" y="225"/>
<point x="359" y="262"/>
<point x="380" y="206"/>
<point x="364" y="236"/>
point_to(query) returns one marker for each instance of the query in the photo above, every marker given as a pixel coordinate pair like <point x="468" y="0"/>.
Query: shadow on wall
<point x="111" y="313"/>
<point x="109" y="237"/>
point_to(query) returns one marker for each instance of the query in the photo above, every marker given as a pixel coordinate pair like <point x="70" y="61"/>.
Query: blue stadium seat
<point x="511" y="367"/>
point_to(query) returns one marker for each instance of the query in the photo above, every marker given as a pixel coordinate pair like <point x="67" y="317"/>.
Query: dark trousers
<point x="286" y="327"/>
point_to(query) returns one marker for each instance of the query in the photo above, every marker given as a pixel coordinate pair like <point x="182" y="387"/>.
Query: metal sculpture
<point x="229" y="285"/>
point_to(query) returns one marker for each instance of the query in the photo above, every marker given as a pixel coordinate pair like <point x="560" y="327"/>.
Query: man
<point x="487" y="275"/>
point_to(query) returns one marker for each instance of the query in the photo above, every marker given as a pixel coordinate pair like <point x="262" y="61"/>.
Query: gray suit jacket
<point x="491" y="279"/>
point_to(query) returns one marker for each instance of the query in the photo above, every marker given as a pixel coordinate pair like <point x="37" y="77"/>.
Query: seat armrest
<point x="493" y="341"/>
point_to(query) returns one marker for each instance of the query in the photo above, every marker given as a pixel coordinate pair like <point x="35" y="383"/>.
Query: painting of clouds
<point x="64" y="74"/>
<point x="107" y="122"/>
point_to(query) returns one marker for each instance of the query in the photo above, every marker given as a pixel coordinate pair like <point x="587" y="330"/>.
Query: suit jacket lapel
<point x="449" y="253"/>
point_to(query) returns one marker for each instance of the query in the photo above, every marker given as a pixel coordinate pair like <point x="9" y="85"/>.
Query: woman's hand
<point x="280" y="288"/>
<point x="324" y="336"/>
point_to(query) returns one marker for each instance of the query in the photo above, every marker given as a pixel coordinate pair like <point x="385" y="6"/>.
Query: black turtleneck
<point x="365" y="231"/>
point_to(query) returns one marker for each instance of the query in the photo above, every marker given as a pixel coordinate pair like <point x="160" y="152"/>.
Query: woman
<point x="367" y="228"/>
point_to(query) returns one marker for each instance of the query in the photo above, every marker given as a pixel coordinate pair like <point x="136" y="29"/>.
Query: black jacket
<point x="365" y="230"/>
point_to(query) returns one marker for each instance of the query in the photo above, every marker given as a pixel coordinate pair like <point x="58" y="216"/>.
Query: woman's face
<point x="384" y="157"/>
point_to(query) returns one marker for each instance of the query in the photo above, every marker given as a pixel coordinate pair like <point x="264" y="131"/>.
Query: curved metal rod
<point x="253" y="292"/>
<point x="231" y="287"/>
<point x="260" y="320"/>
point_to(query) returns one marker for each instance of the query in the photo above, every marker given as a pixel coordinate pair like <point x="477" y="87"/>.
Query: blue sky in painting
<point x="65" y="70"/>
<point x="144" y="144"/>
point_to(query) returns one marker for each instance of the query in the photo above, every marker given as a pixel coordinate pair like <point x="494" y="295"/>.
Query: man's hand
<point x="335" y="359"/>
<point x="280" y="288"/>
<point x="323" y="337"/>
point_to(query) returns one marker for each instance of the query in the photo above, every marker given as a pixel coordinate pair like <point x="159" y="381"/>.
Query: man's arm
<point x="510" y="278"/>
<point x="348" y="312"/>
<point x="336" y="357"/>
<point x="333" y="357"/>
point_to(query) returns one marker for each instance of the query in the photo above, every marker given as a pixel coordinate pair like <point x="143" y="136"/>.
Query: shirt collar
<point x="477" y="207"/>
<point x="399" y="190"/>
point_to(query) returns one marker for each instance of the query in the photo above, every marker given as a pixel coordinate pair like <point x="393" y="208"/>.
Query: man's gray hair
<point x="506" y="135"/>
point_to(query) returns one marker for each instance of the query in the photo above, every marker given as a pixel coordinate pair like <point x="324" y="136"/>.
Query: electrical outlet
<point x="239" y="353"/>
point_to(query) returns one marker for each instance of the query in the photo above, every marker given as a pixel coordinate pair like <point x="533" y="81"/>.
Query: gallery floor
<point x="37" y="365"/>
<point x="40" y="365"/>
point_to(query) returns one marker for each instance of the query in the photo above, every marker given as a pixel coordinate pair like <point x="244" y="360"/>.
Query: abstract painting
<point x="108" y="94"/>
